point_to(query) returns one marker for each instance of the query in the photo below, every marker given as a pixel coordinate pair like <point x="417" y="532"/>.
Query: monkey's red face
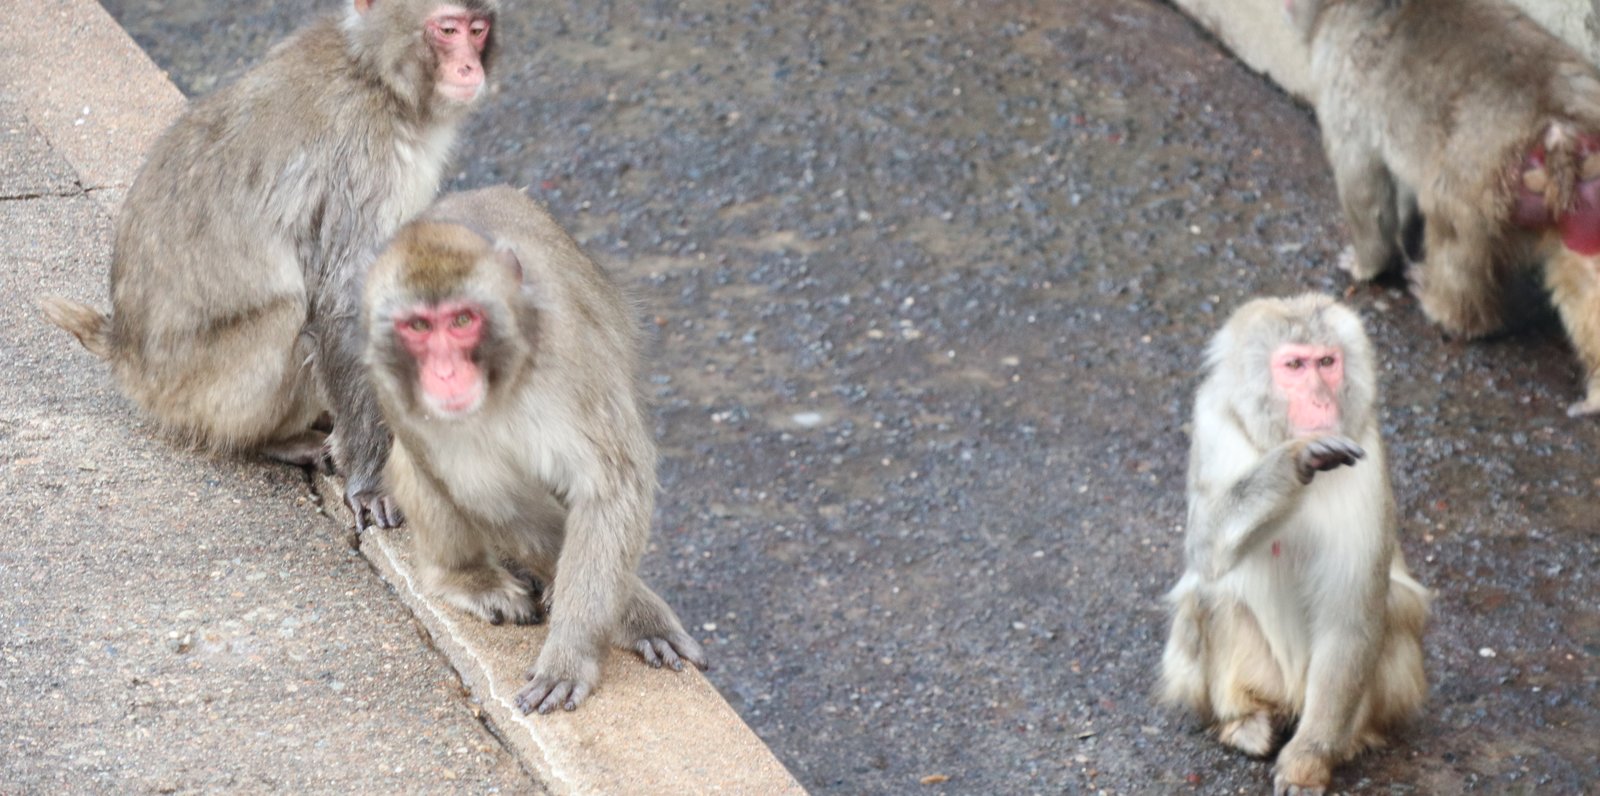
<point x="1308" y="377"/>
<point x="458" y="37"/>
<point x="442" y="338"/>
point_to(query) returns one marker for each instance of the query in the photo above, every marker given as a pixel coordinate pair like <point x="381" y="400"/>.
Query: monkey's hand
<point x="563" y="677"/>
<point x="1325" y="453"/>
<point x="385" y="513"/>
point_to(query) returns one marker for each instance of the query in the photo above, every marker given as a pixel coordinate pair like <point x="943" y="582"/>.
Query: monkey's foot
<point x="1350" y="263"/>
<point x="492" y="596"/>
<point x="1300" y="775"/>
<point x="552" y="686"/>
<point x="1587" y="407"/>
<point x="1250" y="734"/>
<point x="1462" y="315"/>
<point x="306" y="449"/>
<point x="671" y="652"/>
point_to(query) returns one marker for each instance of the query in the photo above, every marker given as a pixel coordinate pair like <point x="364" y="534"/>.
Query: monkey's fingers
<point x="545" y="694"/>
<point x="387" y="512"/>
<point x="358" y="511"/>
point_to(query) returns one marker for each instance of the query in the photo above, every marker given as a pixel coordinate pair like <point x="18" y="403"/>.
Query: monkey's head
<point x="435" y="53"/>
<point x="1298" y="367"/>
<point x="447" y="329"/>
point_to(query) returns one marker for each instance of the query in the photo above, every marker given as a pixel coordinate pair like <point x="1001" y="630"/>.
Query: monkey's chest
<point x="498" y="475"/>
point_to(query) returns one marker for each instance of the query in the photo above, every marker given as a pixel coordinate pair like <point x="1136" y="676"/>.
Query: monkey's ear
<point x="363" y="6"/>
<point x="507" y="257"/>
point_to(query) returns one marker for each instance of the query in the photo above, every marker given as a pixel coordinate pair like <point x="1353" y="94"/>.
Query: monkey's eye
<point x="1294" y="364"/>
<point x="1326" y="362"/>
<point x="479" y="27"/>
<point x="419" y="325"/>
<point x="462" y="319"/>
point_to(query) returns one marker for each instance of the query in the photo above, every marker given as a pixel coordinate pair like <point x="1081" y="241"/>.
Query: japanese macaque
<point x="235" y="274"/>
<point x="1295" y="602"/>
<point x="1489" y="126"/>
<point x="504" y="361"/>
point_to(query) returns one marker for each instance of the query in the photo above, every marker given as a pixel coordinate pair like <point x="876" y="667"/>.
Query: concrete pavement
<point x="176" y="622"/>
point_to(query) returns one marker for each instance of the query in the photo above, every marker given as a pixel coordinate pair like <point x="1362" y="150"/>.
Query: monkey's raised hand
<point x="1322" y="454"/>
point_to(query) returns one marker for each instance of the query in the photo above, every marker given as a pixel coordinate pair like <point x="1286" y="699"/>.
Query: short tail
<point x="1183" y="673"/>
<point x="89" y="325"/>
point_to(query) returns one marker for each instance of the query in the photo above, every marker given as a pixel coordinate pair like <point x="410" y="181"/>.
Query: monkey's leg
<point x="1399" y="685"/>
<point x="651" y="628"/>
<point x="1342" y="663"/>
<point x="242" y="384"/>
<point x="1574" y="283"/>
<point x="1367" y="194"/>
<point x="457" y="560"/>
<point x="1246" y="686"/>
<point x="1460" y="286"/>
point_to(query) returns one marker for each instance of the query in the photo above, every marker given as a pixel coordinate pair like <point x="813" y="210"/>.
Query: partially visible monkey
<point x="505" y="363"/>
<point x="1491" y="125"/>
<point x="235" y="273"/>
<point x="1295" y="602"/>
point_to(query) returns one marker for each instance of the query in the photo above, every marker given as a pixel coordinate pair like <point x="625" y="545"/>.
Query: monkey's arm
<point x="1231" y="514"/>
<point x="1228" y="519"/>
<point x="360" y="439"/>
<point x="609" y="507"/>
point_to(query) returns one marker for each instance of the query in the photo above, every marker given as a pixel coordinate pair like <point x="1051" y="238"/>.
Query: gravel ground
<point x="928" y="283"/>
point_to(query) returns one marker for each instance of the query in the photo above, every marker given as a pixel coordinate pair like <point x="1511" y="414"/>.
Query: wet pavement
<point x="927" y="284"/>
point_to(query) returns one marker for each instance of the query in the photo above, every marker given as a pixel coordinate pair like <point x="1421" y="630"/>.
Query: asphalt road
<point x="928" y="283"/>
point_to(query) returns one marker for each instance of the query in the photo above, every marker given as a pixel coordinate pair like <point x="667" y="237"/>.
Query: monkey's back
<point x="243" y="206"/>
<point x="1453" y="84"/>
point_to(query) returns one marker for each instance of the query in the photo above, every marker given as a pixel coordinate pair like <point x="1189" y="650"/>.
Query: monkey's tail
<point x="1183" y="671"/>
<point x="89" y="325"/>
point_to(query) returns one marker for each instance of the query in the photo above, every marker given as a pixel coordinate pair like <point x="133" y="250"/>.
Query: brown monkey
<point x="505" y="363"/>
<point x="1488" y="124"/>
<point x="1295" y="602"/>
<point x="235" y="273"/>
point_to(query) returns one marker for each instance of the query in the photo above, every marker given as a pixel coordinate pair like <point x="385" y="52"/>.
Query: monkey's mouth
<point x="455" y="407"/>
<point x="460" y="93"/>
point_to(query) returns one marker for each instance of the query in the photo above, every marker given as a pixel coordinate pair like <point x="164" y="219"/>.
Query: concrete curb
<point x="100" y="105"/>
<point x="642" y="730"/>
<point x="1259" y="34"/>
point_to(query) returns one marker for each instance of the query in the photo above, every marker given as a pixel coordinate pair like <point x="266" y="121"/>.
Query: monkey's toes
<point x="1587" y="407"/>
<point x="1350" y="262"/>
<point x="658" y="652"/>
<point x="545" y="694"/>
<point x="1252" y="734"/>
<point x="1282" y="787"/>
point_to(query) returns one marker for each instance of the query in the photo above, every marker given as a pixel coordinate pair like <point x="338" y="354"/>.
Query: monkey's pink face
<point x="441" y="339"/>
<point x="458" y="37"/>
<point x="1308" y="377"/>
